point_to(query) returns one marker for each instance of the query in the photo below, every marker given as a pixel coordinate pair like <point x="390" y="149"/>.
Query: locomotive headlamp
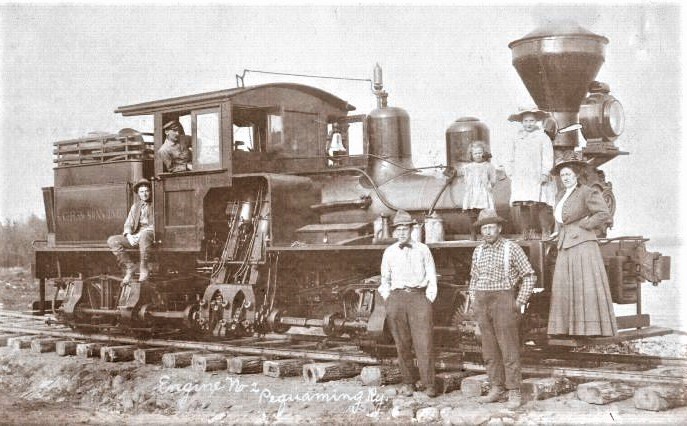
<point x="601" y="115"/>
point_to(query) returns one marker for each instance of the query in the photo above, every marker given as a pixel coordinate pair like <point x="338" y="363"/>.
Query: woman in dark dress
<point x="581" y="301"/>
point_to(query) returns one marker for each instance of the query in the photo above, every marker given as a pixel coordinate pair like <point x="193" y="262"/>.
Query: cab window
<point x="201" y="134"/>
<point x="206" y="137"/>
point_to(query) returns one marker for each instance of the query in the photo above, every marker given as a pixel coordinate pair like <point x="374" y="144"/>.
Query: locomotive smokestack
<point x="557" y="62"/>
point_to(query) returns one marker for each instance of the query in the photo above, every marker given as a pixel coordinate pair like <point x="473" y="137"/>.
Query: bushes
<point x="15" y="240"/>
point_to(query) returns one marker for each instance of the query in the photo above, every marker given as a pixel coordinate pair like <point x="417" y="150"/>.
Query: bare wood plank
<point x="378" y="375"/>
<point x="178" y="359"/>
<point x="659" y="376"/>
<point x="327" y="371"/>
<point x="245" y="364"/>
<point x="88" y="350"/>
<point x="209" y="362"/>
<point x="603" y="392"/>
<point x="660" y="398"/>
<point x="284" y="367"/>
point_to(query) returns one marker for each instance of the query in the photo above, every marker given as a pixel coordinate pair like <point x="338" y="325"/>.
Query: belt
<point x="411" y="289"/>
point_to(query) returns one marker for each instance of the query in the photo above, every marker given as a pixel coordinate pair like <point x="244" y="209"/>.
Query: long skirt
<point x="581" y="301"/>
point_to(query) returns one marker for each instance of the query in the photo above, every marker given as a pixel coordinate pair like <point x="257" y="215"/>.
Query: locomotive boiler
<point x="270" y="230"/>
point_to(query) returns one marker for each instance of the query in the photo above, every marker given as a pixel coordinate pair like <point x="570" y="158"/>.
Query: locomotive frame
<point x="269" y="231"/>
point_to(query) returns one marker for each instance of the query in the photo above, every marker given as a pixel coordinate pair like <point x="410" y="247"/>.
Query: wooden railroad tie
<point x="44" y="345"/>
<point x="538" y="388"/>
<point x="326" y="371"/>
<point x="178" y="359"/>
<point x="117" y="353"/>
<point x="284" y="367"/>
<point x="66" y="347"/>
<point x="88" y="350"/>
<point x="475" y="385"/>
<point x="602" y="392"/>
<point x="379" y="375"/>
<point x="660" y="398"/>
<point x="209" y="362"/>
<point x="5" y="337"/>
<point x="21" y="342"/>
<point x="149" y="355"/>
<point x="245" y="364"/>
<point x="450" y="380"/>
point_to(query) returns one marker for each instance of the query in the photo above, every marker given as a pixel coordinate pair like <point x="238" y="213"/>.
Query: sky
<point x="66" y="67"/>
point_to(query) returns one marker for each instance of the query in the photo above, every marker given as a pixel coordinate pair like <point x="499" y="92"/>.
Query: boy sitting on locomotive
<point x="139" y="231"/>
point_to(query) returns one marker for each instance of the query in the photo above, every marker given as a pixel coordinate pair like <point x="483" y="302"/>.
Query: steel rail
<point x="319" y="355"/>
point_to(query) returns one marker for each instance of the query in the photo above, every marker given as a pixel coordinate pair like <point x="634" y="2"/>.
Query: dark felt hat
<point x="140" y="182"/>
<point x="487" y="216"/>
<point x="570" y="159"/>
<point x="402" y="217"/>
<point x="174" y="124"/>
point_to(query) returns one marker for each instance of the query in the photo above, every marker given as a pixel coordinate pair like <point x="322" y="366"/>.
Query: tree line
<point x="16" y="237"/>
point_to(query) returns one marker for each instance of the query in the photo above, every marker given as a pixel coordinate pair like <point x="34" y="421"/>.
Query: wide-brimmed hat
<point x="569" y="159"/>
<point x="538" y="114"/>
<point x="402" y="217"/>
<point x="487" y="216"/>
<point x="174" y="124"/>
<point x="140" y="182"/>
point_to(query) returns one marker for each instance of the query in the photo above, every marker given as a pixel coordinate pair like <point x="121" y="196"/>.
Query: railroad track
<point x="604" y="377"/>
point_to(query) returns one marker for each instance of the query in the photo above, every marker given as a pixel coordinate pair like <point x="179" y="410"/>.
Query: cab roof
<point x="219" y="96"/>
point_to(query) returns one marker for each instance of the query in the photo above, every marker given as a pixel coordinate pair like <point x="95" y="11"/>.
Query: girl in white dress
<point x="480" y="177"/>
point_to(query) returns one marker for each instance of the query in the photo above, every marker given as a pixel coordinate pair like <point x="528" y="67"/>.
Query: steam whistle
<point x="382" y="229"/>
<point x="378" y="87"/>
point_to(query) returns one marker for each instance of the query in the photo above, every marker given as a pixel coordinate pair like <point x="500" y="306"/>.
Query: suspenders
<point x="506" y="256"/>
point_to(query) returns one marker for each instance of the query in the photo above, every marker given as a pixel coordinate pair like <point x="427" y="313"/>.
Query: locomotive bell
<point x="557" y="62"/>
<point x="460" y="135"/>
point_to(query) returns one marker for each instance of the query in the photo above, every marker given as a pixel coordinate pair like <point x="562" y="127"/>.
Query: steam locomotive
<point x="279" y="225"/>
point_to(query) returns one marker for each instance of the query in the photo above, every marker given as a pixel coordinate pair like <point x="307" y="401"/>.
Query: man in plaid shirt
<point x="497" y="267"/>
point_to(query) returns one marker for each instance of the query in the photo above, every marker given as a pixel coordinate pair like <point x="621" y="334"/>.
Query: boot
<point x="129" y="266"/>
<point x="406" y="390"/>
<point x="143" y="270"/>
<point x="495" y="394"/>
<point x="514" y="399"/>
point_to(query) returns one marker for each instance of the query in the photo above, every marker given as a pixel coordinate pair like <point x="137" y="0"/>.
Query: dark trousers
<point x="498" y="318"/>
<point x="410" y="321"/>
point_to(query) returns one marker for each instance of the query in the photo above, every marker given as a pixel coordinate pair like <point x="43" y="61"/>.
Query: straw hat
<point x="538" y="114"/>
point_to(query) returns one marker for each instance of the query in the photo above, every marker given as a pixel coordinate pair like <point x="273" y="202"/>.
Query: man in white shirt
<point x="409" y="287"/>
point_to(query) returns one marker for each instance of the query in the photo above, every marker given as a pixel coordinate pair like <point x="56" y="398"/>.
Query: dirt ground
<point x="48" y="389"/>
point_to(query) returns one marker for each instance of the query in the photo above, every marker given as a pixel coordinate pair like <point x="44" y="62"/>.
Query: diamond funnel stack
<point x="557" y="62"/>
